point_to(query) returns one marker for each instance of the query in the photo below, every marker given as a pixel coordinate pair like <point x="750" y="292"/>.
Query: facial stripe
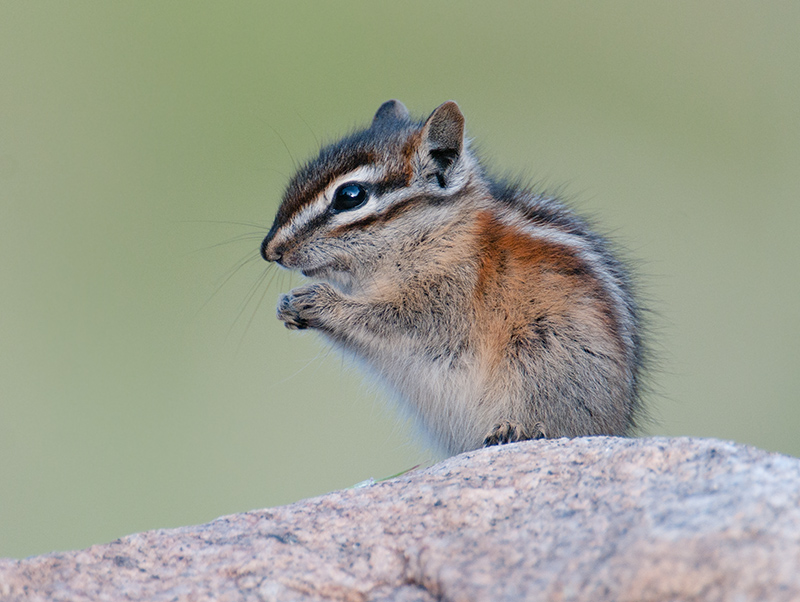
<point x="393" y="211"/>
<point x="314" y="213"/>
<point x="397" y="201"/>
<point x="310" y="181"/>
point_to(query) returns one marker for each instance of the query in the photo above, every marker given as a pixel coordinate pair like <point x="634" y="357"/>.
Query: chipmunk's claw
<point x="305" y="307"/>
<point x="509" y="432"/>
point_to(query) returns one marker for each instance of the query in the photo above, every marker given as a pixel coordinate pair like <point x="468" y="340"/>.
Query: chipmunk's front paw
<point x="509" y="432"/>
<point x="306" y="306"/>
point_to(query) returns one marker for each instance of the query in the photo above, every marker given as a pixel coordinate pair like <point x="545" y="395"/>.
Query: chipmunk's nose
<point x="271" y="254"/>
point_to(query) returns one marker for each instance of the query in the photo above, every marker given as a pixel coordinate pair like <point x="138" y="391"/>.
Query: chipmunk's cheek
<point x="295" y="259"/>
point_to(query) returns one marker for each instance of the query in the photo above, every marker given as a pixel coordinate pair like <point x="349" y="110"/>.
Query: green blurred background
<point x="144" y="381"/>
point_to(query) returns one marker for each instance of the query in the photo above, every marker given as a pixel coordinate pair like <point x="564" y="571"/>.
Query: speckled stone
<point x="585" y="519"/>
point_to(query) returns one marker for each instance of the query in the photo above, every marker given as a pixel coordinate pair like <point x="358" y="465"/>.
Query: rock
<point x="595" y="519"/>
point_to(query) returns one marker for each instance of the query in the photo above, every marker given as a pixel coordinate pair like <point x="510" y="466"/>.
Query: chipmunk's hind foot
<point x="509" y="432"/>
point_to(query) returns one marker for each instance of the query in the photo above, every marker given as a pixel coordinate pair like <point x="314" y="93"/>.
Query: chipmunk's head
<point x="364" y="197"/>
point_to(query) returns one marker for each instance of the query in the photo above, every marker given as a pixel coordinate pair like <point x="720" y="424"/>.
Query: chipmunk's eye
<point x="349" y="196"/>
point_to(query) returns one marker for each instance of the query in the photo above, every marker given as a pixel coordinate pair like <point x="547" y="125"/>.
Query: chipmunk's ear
<point x="391" y="110"/>
<point x="443" y="138"/>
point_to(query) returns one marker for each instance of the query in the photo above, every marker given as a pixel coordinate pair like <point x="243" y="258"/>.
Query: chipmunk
<point x="492" y="311"/>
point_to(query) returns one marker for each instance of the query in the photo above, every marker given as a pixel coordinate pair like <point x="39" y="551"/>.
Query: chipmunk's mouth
<point x="314" y="272"/>
<point x="322" y="270"/>
<point x="336" y="273"/>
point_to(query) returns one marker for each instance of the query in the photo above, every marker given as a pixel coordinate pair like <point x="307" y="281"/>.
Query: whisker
<point x="282" y="174"/>
<point x="224" y="279"/>
<point x="238" y="238"/>
<point x="286" y="146"/>
<point x="216" y="221"/>
<point x="300" y="117"/>
<point x="250" y="294"/>
<point x="248" y="258"/>
<point x="302" y="368"/>
<point x="258" y="306"/>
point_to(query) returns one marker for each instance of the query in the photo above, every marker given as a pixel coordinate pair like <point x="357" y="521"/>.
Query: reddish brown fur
<point x="410" y="149"/>
<point x="522" y="279"/>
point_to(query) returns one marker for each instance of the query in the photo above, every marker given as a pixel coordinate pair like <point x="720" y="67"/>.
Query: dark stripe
<point x="392" y="213"/>
<point x="314" y="223"/>
<point x="313" y="179"/>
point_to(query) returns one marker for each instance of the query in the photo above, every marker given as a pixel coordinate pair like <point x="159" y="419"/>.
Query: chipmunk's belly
<point x="445" y="400"/>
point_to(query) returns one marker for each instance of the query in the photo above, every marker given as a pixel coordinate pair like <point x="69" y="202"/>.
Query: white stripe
<point x="366" y="174"/>
<point x="583" y="248"/>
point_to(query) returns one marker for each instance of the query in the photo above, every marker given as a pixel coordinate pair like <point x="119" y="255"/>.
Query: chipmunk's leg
<point x="509" y="432"/>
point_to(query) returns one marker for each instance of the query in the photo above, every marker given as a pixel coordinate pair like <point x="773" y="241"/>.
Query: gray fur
<point x="391" y="110"/>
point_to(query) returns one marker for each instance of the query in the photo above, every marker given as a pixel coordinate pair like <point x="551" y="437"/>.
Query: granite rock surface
<point x="597" y="518"/>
